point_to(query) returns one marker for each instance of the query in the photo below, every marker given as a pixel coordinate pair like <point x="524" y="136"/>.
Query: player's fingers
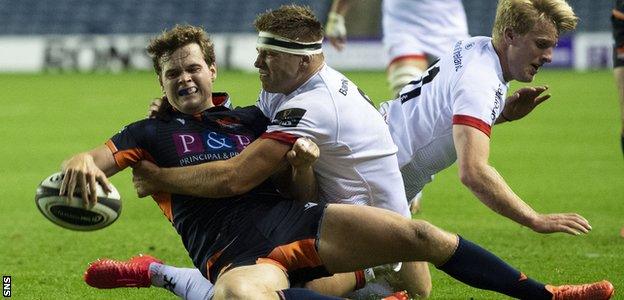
<point x="92" y="190"/>
<point x="71" y="185"/>
<point x="291" y="154"/>
<point x="578" y="227"/>
<point x="64" y="182"/>
<point x="82" y="182"/>
<point x="567" y="229"/>
<point x="106" y="185"/>
<point x="582" y="221"/>
<point x="541" y="99"/>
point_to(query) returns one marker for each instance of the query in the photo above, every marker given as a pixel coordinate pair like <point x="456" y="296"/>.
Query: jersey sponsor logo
<point x="344" y="87"/>
<point x="188" y="143"/>
<point x="210" y="142"/>
<point x="498" y="100"/>
<point x="289" y="117"/>
<point x="469" y="45"/>
<point x="457" y="56"/>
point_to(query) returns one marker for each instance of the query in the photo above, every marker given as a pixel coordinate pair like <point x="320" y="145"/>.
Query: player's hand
<point x="81" y="172"/>
<point x="336" y="31"/>
<point x="570" y="223"/>
<point x="303" y="153"/>
<point x="523" y="101"/>
<point x="144" y="177"/>
<point x="153" y="108"/>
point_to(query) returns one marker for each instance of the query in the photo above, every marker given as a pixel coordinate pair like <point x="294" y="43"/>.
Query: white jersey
<point x="465" y="87"/>
<point x="357" y="163"/>
<point x="417" y="27"/>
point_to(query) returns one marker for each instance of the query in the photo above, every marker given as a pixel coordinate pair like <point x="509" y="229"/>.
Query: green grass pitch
<point x="565" y="157"/>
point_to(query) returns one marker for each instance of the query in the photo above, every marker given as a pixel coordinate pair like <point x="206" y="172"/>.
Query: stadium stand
<point x="223" y="16"/>
<point x="132" y="16"/>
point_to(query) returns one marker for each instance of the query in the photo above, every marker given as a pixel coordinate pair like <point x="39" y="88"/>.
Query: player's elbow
<point x="238" y="183"/>
<point x="470" y="175"/>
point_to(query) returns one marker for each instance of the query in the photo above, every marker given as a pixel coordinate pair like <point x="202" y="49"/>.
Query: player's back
<point x="357" y="164"/>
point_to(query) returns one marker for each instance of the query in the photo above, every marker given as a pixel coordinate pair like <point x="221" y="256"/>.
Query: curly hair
<point x="162" y="46"/>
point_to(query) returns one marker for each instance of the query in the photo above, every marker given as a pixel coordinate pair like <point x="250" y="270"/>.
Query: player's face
<point x="279" y="72"/>
<point x="187" y="80"/>
<point x="528" y="52"/>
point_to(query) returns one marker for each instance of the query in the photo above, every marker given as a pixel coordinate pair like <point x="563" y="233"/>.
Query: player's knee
<point x="234" y="289"/>
<point x="422" y="232"/>
<point x="400" y="76"/>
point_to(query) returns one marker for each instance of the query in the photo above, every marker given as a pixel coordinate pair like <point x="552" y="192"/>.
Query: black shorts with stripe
<point x="284" y="234"/>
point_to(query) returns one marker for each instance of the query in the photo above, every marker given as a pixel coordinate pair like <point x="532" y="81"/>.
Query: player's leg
<point x="617" y="22"/>
<point x="619" y="79"/>
<point x="415" y="278"/>
<point x="146" y="271"/>
<point x="354" y="237"/>
<point x="404" y="69"/>
<point x="259" y="281"/>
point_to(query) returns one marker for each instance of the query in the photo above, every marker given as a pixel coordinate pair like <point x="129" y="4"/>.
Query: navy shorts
<point x="284" y="234"/>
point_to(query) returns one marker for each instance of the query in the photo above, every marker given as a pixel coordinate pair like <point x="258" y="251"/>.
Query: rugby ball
<point x="71" y="214"/>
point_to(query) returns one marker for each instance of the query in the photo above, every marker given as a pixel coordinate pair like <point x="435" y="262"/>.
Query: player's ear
<point x="162" y="88"/>
<point x="213" y="72"/>
<point x="508" y="35"/>
<point x="305" y="61"/>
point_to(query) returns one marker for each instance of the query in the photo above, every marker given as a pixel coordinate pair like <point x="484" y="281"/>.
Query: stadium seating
<point x="20" y="17"/>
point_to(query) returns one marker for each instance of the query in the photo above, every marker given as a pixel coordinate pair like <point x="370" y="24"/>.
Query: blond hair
<point x="522" y="15"/>
<point x="294" y="22"/>
<point x="162" y="46"/>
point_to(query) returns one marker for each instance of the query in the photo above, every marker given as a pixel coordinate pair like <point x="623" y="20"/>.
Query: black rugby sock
<point x="299" y="293"/>
<point x="480" y="268"/>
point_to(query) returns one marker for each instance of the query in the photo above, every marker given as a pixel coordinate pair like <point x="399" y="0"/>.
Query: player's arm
<point x="85" y="170"/>
<point x="297" y="178"/>
<point x="216" y="179"/>
<point x="473" y="148"/>
<point x="522" y="102"/>
<point x="335" y="28"/>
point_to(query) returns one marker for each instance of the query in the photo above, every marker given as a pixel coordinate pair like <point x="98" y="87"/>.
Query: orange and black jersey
<point x="206" y="226"/>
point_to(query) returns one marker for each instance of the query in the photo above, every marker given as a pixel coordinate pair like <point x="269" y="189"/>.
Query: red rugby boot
<point x="110" y="273"/>
<point x="601" y="290"/>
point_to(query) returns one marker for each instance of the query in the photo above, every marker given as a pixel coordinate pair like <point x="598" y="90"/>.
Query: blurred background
<point x="110" y="35"/>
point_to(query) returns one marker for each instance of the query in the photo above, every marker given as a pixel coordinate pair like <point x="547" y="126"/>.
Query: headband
<point x="278" y="43"/>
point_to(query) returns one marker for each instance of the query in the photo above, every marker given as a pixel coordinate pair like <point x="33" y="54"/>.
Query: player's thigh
<point x="259" y="281"/>
<point x="355" y="237"/>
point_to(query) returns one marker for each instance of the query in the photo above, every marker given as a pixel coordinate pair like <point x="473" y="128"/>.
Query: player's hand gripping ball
<point x="72" y="214"/>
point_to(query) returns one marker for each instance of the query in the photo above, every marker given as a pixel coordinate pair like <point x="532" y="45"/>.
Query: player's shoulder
<point x="476" y="58"/>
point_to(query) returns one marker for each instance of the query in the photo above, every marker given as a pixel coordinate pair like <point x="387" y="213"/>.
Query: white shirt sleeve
<point x="303" y="116"/>
<point x="478" y="100"/>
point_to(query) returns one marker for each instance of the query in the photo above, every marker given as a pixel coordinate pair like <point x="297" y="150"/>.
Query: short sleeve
<point x="129" y="144"/>
<point x="477" y="102"/>
<point x="303" y="116"/>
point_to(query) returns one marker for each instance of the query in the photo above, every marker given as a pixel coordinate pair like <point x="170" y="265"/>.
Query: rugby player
<point x="304" y="97"/>
<point x="415" y="33"/>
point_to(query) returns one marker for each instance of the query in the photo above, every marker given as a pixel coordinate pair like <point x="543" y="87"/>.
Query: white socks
<point x="186" y="283"/>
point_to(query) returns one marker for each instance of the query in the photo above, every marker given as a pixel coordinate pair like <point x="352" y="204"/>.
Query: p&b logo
<point x="6" y="286"/>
